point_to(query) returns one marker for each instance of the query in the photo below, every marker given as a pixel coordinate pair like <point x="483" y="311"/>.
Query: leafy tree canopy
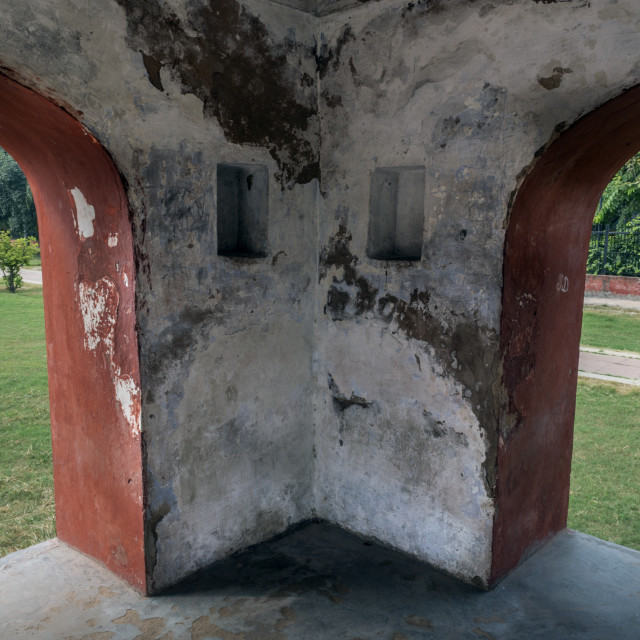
<point x="17" y="211"/>
<point x="620" y="200"/>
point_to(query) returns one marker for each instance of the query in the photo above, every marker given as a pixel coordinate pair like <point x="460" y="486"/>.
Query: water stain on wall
<point x="257" y="89"/>
<point x="467" y="352"/>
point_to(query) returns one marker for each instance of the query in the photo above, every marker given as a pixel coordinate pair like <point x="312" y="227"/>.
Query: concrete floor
<point x="322" y="583"/>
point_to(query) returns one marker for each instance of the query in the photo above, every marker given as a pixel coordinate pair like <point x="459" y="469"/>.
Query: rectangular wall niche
<point x="396" y="213"/>
<point x="243" y="192"/>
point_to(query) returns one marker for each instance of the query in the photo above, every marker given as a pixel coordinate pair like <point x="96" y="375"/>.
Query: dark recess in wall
<point x="396" y="213"/>
<point x="242" y="210"/>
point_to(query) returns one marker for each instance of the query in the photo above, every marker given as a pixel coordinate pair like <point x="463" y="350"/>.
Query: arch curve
<point x="546" y="251"/>
<point x="88" y="271"/>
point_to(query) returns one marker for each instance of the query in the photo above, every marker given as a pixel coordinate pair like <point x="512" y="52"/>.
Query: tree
<point x="17" y="211"/>
<point x="615" y="247"/>
<point x="14" y="254"/>
<point x="620" y="201"/>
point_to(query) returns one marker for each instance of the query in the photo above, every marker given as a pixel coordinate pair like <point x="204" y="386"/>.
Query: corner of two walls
<point x="248" y="362"/>
<point x="407" y="349"/>
<point x="318" y="382"/>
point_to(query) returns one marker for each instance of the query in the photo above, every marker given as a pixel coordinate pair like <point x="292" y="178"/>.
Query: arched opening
<point x="89" y="300"/>
<point x="26" y="471"/>
<point x="544" y="276"/>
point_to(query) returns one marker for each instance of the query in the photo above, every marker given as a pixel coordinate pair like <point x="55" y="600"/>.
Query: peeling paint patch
<point x="99" y="306"/>
<point x="553" y="81"/>
<point x="112" y="240"/>
<point x="153" y="68"/>
<point x="128" y="397"/>
<point x="150" y="627"/>
<point x="85" y="214"/>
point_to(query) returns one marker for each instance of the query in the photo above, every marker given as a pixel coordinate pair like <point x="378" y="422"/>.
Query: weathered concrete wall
<point x="225" y="343"/>
<point x="417" y="341"/>
<point x="318" y="381"/>
<point x="470" y="92"/>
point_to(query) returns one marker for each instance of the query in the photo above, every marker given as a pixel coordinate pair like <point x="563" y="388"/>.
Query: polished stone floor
<point x="321" y="583"/>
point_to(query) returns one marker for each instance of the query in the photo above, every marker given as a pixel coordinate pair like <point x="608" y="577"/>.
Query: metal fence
<point x="614" y="251"/>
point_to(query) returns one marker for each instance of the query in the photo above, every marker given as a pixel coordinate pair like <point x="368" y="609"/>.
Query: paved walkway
<point x="31" y="275"/>
<point x="622" y="302"/>
<point x="615" y="366"/>
<point x="320" y="583"/>
<point x="609" y="365"/>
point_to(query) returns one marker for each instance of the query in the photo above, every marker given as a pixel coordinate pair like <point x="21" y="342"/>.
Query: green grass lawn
<point x="26" y="477"/>
<point x="605" y="471"/>
<point x="611" y="328"/>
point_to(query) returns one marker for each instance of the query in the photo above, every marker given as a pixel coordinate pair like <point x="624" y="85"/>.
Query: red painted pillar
<point x="544" y="277"/>
<point x="92" y="350"/>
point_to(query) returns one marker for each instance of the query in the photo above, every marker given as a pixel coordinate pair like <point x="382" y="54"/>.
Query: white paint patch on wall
<point x="85" y="214"/>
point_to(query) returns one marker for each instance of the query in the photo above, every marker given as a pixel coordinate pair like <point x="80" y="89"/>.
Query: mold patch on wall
<point x="553" y="81"/>
<point x="351" y="294"/>
<point x="253" y="86"/>
<point x="341" y="401"/>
